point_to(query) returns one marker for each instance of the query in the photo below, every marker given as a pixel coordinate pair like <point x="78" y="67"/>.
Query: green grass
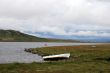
<point x="84" y="59"/>
<point x="57" y="67"/>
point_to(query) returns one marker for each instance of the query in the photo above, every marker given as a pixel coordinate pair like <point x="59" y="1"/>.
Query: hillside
<point x="16" y="36"/>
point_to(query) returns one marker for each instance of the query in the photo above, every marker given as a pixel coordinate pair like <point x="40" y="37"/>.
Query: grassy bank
<point x="84" y="59"/>
<point x="84" y="52"/>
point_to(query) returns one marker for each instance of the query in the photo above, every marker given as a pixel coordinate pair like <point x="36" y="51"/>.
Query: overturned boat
<point x="57" y="57"/>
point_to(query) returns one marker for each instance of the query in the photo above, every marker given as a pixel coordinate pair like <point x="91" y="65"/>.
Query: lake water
<point x="11" y="52"/>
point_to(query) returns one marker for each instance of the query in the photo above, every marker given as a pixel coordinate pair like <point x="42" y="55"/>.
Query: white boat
<point x="57" y="57"/>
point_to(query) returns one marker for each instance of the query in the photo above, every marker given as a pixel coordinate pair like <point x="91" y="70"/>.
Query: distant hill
<point x="16" y="36"/>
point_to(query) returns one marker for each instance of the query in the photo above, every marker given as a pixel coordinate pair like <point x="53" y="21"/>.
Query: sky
<point x="57" y="17"/>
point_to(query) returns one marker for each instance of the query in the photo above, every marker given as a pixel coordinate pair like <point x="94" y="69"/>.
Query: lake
<point x="12" y="52"/>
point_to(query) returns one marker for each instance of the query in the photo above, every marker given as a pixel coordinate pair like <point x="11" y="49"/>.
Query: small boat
<point x="57" y="57"/>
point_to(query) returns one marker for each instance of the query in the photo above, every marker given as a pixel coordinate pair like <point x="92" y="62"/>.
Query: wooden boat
<point x="57" y="57"/>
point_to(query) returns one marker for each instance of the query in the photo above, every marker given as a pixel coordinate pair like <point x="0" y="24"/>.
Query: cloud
<point x="59" y="17"/>
<point x="90" y="33"/>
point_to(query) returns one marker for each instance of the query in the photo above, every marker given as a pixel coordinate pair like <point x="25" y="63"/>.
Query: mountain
<point x="16" y="36"/>
<point x="97" y="39"/>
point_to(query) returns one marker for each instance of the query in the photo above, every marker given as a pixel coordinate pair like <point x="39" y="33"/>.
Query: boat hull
<point x="56" y="57"/>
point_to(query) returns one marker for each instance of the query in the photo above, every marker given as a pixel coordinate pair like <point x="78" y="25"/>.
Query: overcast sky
<point x="58" y="17"/>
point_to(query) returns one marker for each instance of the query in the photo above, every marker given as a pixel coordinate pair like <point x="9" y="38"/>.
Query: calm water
<point x="11" y="52"/>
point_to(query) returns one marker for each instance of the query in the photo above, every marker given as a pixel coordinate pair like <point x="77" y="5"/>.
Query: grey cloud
<point x="55" y="16"/>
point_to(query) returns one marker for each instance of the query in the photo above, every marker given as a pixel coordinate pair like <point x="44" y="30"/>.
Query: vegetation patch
<point x="81" y="53"/>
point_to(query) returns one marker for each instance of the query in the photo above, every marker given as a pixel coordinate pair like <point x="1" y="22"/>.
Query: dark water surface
<point x="11" y="52"/>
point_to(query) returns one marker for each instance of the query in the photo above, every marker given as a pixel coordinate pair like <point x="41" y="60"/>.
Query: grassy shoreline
<point x="76" y="51"/>
<point x="84" y="59"/>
